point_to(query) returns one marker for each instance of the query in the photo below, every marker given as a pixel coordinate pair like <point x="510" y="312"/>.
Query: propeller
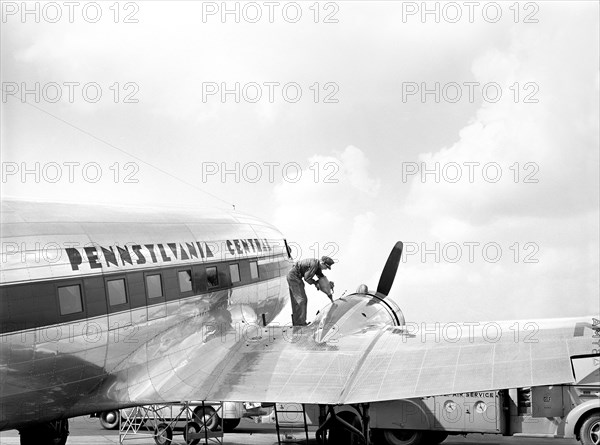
<point x="389" y="271"/>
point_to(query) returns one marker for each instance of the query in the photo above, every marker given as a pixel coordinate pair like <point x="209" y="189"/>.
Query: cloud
<point x="328" y="212"/>
<point x="543" y="206"/>
<point x="316" y="199"/>
<point x="533" y="151"/>
<point x="354" y="165"/>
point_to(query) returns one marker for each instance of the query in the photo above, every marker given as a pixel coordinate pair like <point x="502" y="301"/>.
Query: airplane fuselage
<point x="93" y="297"/>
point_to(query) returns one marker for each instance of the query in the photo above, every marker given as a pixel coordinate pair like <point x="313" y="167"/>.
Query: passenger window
<point x="69" y="299"/>
<point x="234" y="271"/>
<point x="253" y="270"/>
<point x="185" y="280"/>
<point x="154" y="286"/>
<point x="116" y="292"/>
<point x="212" y="277"/>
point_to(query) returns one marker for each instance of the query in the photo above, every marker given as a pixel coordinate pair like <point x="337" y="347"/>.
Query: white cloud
<point x="329" y="188"/>
<point x="554" y="141"/>
<point x="331" y="216"/>
<point x="558" y="214"/>
<point x="355" y="165"/>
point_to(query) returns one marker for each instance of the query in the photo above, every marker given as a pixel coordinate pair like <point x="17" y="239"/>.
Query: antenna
<point x="105" y="142"/>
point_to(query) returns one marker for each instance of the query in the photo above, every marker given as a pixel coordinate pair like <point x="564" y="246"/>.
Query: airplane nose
<point x="354" y="313"/>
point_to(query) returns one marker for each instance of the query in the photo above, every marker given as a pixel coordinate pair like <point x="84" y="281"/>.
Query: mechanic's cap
<point x="327" y="261"/>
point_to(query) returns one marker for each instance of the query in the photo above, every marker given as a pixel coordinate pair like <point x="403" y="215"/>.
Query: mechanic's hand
<point x="331" y="285"/>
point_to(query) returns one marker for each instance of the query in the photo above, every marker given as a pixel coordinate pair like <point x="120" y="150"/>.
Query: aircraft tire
<point x="337" y="434"/>
<point x="399" y="437"/>
<point x="435" y="437"/>
<point x="207" y="417"/>
<point x="230" y="424"/>
<point x="589" y="434"/>
<point x="163" y="434"/>
<point x="191" y="428"/>
<point x="52" y="433"/>
<point x="110" y="419"/>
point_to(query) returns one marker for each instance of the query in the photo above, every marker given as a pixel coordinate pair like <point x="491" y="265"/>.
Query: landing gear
<point x="51" y="433"/>
<point x="399" y="437"/>
<point x="408" y="437"/>
<point x="346" y="427"/>
<point x="339" y="434"/>
<point x="436" y="437"/>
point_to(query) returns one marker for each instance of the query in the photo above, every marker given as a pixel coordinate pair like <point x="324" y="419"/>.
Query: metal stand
<point x="161" y="422"/>
<point x="290" y="425"/>
<point x="203" y="432"/>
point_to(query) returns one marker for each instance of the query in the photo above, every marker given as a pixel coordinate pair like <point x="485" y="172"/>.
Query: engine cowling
<point x="354" y="313"/>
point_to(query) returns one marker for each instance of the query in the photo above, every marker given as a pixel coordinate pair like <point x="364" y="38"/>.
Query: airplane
<point x="107" y="307"/>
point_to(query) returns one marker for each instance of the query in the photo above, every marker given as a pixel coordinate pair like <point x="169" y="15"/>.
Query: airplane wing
<point x="390" y="364"/>
<point x="350" y="354"/>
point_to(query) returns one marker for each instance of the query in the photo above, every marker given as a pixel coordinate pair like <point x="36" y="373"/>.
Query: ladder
<point x="286" y="419"/>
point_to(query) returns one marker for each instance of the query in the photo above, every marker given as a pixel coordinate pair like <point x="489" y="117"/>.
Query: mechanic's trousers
<point x="299" y="300"/>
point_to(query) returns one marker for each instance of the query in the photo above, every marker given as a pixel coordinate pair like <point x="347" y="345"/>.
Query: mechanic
<point x="305" y="270"/>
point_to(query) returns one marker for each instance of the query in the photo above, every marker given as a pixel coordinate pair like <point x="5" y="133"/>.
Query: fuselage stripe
<point x="44" y="303"/>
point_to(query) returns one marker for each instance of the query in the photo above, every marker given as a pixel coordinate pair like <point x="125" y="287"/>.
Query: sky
<point x="470" y="133"/>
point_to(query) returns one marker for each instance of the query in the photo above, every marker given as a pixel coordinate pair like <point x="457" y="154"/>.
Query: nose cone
<point x="356" y="313"/>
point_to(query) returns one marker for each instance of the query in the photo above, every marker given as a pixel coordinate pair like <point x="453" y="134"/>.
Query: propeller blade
<point x="389" y="271"/>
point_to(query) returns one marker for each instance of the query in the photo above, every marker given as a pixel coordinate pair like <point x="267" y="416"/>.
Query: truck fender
<point x="572" y="421"/>
<point x="410" y="414"/>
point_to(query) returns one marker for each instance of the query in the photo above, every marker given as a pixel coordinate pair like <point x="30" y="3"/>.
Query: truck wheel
<point x="436" y="437"/>
<point x="230" y="424"/>
<point x="402" y="437"/>
<point x="163" y="434"/>
<point x="207" y="417"/>
<point x="110" y="419"/>
<point x="590" y="430"/>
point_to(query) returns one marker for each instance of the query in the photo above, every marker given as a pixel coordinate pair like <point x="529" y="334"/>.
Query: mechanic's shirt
<point x="307" y="269"/>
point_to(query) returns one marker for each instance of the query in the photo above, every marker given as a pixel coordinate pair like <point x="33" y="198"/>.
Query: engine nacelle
<point x="355" y="313"/>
